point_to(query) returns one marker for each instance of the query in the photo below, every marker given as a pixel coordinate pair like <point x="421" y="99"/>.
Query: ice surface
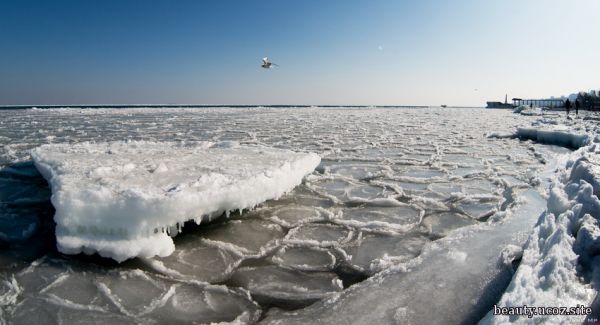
<point x="360" y="220"/>
<point x="255" y="236"/>
<point x="276" y="286"/>
<point x="52" y="291"/>
<point x="467" y="262"/>
<point x="195" y="260"/>
<point x="305" y="258"/>
<point x="440" y="224"/>
<point x="118" y="198"/>
<point x="375" y="252"/>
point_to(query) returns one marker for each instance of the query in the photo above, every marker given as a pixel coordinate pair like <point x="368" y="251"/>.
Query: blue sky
<point x="460" y="52"/>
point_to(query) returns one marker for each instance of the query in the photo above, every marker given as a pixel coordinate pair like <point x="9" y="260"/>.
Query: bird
<point x="268" y="65"/>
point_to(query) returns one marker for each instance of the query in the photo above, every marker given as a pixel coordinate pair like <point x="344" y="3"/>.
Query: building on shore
<point x="587" y="100"/>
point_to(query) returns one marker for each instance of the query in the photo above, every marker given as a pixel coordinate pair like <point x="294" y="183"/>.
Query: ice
<point x="528" y="110"/>
<point x="359" y="220"/>
<point x="320" y="234"/>
<point x="400" y="218"/>
<point x="191" y="303"/>
<point x="197" y="261"/>
<point x="55" y="291"/>
<point x="468" y="262"/>
<point x="294" y="215"/>
<point x="305" y="258"/>
<point x="557" y="137"/>
<point x="117" y="198"/>
<point x="440" y="224"/>
<point x="278" y="286"/>
<point x="375" y="252"/>
<point x="253" y="237"/>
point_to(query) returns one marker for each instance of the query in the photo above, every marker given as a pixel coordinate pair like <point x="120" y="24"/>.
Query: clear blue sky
<point x="460" y="52"/>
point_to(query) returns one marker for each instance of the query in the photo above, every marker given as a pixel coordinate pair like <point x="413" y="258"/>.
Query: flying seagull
<point x="268" y="65"/>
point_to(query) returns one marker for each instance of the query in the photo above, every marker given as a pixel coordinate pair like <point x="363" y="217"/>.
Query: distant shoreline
<point x="18" y="107"/>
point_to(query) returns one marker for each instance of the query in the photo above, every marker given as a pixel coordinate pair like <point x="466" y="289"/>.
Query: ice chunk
<point x="400" y="218"/>
<point x="305" y="258"/>
<point x="248" y="237"/>
<point x="376" y="252"/>
<point x="319" y="235"/>
<point x="291" y="216"/>
<point x="439" y="225"/>
<point x="198" y="261"/>
<point x="118" y="198"/>
<point x="275" y="285"/>
<point x="557" y="137"/>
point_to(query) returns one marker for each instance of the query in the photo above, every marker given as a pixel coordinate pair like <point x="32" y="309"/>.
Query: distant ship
<point x="499" y="105"/>
<point x="444" y="106"/>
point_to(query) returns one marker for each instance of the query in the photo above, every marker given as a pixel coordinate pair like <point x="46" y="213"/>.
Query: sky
<point x="335" y="52"/>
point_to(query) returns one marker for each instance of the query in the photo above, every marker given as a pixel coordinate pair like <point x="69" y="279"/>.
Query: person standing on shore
<point x="577" y="104"/>
<point x="568" y="106"/>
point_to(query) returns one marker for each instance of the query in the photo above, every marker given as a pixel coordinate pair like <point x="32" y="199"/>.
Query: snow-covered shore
<point x="560" y="264"/>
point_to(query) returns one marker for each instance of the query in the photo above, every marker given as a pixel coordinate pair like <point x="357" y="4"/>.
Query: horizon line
<point x="22" y="106"/>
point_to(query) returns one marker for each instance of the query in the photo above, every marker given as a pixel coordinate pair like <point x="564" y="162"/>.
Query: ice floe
<point x="120" y="199"/>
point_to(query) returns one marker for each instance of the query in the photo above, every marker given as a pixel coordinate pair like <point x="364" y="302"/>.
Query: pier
<point x="551" y="103"/>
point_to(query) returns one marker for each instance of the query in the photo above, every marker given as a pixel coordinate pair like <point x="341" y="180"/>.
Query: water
<point x="392" y="181"/>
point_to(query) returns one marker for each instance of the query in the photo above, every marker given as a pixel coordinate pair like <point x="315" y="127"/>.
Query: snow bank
<point x="122" y="199"/>
<point x="561" y="255"/>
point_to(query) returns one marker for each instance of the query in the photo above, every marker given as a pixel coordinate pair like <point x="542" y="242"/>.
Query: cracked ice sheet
<point x="473" y="261"/>
<point x="465" y="262"/>
<point x="115" y="198"/>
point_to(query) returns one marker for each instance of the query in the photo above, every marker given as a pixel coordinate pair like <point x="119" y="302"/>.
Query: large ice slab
<point x="120" y="199"/>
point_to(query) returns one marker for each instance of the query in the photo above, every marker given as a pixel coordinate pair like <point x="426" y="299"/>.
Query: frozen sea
<point x="412" y="216"/>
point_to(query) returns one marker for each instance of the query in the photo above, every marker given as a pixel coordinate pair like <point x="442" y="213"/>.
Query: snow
<point x="118" y="198"/>
<point x="562" y="250"/>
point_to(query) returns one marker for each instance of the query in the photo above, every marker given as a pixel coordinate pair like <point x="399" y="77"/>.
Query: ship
<point x="500" y="104"/>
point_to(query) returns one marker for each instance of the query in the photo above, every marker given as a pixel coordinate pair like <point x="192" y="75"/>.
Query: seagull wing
<point x="265" y="60"/>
